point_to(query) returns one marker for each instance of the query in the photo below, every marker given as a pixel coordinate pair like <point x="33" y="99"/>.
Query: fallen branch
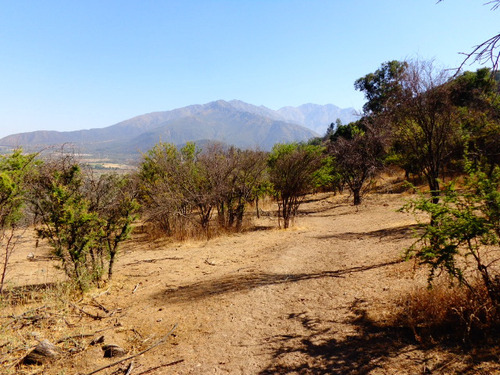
<point x="152" y="260"/>
<point x="81" y="335"/>
<point x="130" y="368"/>
<point x="160" y="366"/>
<point x="160" y="341"/>
<point x="95" y="317"/>
<point x="99" y="305"/>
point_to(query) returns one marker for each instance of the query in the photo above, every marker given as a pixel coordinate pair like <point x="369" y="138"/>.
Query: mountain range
<point x="232" y="122"/>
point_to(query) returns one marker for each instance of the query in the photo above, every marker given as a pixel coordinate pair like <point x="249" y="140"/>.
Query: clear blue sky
<point x="67" y="65"/>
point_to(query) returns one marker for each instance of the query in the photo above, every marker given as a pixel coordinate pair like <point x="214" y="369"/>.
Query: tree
<point x="163" y="202"/>
<point x="357" y="150"/>
<point x="416" y="105"/>
<point x="14" y="169"/>
<point x="83" y="217"/>
<point x="113" y="198"/>
<point x="463" y="226"/>
<point x="427" y="123"/>
<point x="294" y="170"/>
<point x="487" y="51"/>
<point x="382" y="89"/>
<point x="476" y="96"/>
<point x="239" y="175"/>
<point x="65" y="220"/>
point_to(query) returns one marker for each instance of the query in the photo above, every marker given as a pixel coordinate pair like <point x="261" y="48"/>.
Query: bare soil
<point x="309" y="300"/>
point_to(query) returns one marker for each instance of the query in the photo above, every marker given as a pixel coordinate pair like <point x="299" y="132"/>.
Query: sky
<point x="70" y="65"/>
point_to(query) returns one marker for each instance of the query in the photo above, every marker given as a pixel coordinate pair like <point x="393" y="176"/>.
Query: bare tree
<point x="426" y="122"/>
<point x="294" y="171"/>
<point x="357" y="155"/>
<point x="487" y="51"/>
<point x="236" y="176"/>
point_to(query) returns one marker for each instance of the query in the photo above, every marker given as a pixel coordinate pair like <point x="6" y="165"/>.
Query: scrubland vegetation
<point x="417" y="120"/>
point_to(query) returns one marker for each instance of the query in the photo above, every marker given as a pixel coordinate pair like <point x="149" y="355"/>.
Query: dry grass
<point x="449" y="314"/>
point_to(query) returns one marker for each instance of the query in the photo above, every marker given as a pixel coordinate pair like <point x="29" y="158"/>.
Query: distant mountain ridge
<point x="235" y="122"/>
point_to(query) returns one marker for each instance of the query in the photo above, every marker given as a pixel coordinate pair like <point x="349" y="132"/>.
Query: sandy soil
<point x="267" y="301"/>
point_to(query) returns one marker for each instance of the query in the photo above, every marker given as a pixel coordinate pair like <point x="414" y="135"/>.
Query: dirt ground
<point x="308" y="300"/>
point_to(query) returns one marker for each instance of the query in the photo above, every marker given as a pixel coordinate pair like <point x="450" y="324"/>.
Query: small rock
<point x="44" y="352"/>
<point x="113" y="350"/>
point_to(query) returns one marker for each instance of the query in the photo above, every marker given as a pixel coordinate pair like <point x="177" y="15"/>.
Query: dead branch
<point x="160" y="341"/>
<point x="130" y="368"/>
<point x="160" y="366"/>
<point x="99" y="305"/>
<point x="81" y="335"/>
<point x="489" y="50"/>
<point x="95" y="317"/>
<point x="154" y="260"/>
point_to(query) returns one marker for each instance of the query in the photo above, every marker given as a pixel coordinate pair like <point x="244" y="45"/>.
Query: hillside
<point x="309" y="300"/>
<point x="235" y="122"/>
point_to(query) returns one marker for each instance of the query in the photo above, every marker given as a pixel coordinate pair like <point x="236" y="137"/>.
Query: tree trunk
<point x="433" y="180"/>
<point x="111" y="264"/>
<point x="221" y="214"/>
<point x="240" y="211"/>
<point x="357" y="196"/>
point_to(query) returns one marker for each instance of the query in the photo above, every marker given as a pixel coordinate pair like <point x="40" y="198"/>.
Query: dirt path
<point x="269" y="300"/>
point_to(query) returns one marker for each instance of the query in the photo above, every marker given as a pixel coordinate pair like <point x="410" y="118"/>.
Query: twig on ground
<point x="99" y="305"/>
<point x="81" y="335"/>
<point x="130" y="368"/>
<point x="136" y="287"/>
<point x="160" y="341"/>
<point x="95" y="317"/>
<point x="160" y="366"/>
<point x="154" y="260"/>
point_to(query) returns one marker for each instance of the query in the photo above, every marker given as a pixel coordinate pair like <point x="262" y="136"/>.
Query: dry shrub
<point x="449" y="314"/>
<point x="185" y="229"/>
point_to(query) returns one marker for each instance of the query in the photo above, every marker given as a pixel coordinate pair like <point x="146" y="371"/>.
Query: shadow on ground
<point x="372" y="349"/>
<point x="396" y="233"/>
<point x="245" y="281"/>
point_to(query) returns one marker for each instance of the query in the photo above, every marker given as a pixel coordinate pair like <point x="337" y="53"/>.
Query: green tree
<point x="476" y="96"/>
<point x="113" y="198"/>
<point x="419" y="111"/>
<point x="65" y="219"/>
<point x="14" y="169"/>
<point x="294" y="171"/>
<point x="382" y="88"/>
<point x="83" y="218"/>
<point x="463" y="226"/>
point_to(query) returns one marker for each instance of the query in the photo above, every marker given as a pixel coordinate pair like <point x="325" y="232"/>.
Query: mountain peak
<point x="233" y="122"/>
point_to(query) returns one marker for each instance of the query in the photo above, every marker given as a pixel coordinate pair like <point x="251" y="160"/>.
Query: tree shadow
<point x="258" y="228"/>
<point x="373" y="347"/>
<point x="248" y="281"/>
<point x="318" y="352"/>
<point x="319" y="210"/>
<point x="396" y="233"/>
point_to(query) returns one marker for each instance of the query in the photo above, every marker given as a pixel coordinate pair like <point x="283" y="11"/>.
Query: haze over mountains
<point x="235" y="122"/>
